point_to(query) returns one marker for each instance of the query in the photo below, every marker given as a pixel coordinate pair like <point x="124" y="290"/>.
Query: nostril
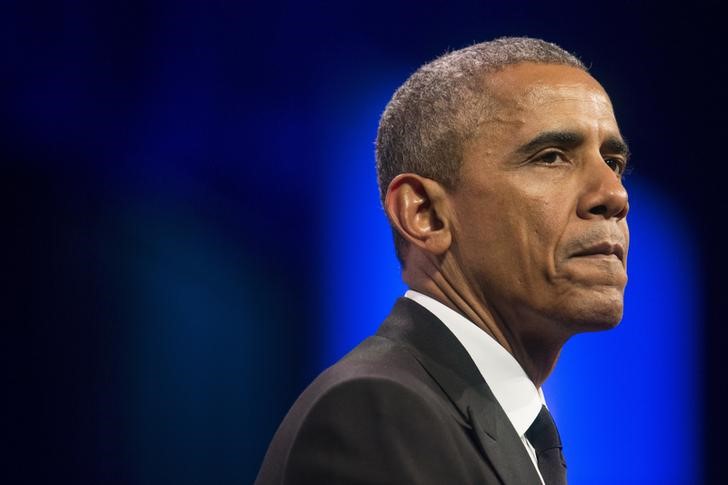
<point x="599" y="210"/>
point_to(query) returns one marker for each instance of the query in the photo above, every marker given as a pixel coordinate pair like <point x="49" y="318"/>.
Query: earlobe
<point x="416" y="207"/>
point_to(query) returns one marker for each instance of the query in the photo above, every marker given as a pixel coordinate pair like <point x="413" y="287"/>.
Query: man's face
<point x="540" y="227"/>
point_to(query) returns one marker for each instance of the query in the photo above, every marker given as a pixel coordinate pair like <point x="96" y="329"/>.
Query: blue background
<point x="192" y="216"/>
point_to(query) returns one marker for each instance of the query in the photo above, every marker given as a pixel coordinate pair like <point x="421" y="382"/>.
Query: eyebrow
<point x="617" y="146"/>
<point x="571" y="139"/>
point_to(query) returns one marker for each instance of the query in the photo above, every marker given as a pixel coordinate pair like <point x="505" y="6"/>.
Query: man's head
<point x="500" y="170"/>
<point x="431" y="117"/>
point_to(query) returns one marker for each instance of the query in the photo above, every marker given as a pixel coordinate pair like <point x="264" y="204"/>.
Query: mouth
<point x="602" y="250"/>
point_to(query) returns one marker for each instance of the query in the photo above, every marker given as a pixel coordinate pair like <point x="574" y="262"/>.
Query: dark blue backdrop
<point x="193" y="215"/>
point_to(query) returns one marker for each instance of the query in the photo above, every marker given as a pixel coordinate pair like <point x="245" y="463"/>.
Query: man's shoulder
<point x="377" y="356"/>
<point x="372" y="404"/>
<point x="378" y="364"/>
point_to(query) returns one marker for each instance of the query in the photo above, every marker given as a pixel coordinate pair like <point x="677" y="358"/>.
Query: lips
<point x="603" y="248"/>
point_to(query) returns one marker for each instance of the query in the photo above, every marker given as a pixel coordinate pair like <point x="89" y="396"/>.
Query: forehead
<point x="527" y="99"/>
<point x="539" y="89"/>
<point x="527" y="84"/>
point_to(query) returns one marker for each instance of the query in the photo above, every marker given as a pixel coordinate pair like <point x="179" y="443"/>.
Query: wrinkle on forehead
<point x="539" y="94"/>
<point x="533" y="95"/>
<point x="517" y="99"/>
<point x="521" y="84"/>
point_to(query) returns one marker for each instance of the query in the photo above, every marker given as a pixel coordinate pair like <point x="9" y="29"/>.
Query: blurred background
<point x="195" y="233"/>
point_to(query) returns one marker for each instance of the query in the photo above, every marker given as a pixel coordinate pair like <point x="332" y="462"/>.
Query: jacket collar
<point x="449" y="364"/>
<point x="512" y="388"/>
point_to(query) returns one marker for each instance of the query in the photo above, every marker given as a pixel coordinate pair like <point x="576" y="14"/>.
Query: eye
<point x="617" y="165"/>
<point x="550" y="158"/>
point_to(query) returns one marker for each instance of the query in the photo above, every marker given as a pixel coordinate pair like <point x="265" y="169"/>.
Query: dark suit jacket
<point x="407" y="405"/>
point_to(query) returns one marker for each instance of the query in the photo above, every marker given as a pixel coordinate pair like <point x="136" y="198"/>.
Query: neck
<point x="535" y="342"/>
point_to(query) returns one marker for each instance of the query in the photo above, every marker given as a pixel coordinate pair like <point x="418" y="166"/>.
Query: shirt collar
<point x="514" y="391"/>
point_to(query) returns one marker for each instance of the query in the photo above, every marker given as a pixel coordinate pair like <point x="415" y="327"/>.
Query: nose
<point x="604" y="195"/>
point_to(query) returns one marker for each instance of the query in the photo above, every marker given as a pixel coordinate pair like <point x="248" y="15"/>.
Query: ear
<point x="417" y="208"/>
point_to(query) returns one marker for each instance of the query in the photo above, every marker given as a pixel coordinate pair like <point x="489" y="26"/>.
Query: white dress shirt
<point x="514" y="391"/>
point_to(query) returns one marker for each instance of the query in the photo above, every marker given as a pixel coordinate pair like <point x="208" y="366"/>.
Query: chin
<point x="592" y="312"/>
<point x="602" y="313"/>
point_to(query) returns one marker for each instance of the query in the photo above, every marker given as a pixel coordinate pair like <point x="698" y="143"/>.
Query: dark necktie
<point x="545" y="439"/>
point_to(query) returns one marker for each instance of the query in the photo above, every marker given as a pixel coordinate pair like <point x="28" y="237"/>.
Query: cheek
<point x="542" y="225"/>
<point x="490" y="238"/>
<point x="519" y="242"/>
<point x="512" y="234"/>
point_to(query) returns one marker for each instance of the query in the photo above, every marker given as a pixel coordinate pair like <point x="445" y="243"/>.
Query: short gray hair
<point x="425" y="125"/>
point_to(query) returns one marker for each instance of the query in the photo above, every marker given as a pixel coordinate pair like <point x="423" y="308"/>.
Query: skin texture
<point x="531" y="245"/>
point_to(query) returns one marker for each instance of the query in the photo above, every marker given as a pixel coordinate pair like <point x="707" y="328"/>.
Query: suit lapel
<point x="449" y="364"/>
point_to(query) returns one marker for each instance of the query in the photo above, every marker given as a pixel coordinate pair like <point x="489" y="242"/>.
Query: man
<point x="500" y="168"/>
